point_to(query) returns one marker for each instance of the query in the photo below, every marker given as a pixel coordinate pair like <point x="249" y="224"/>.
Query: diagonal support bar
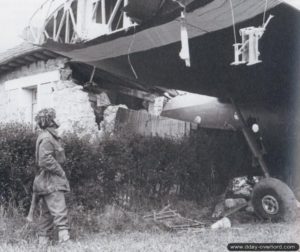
<point x="257" y="153"/>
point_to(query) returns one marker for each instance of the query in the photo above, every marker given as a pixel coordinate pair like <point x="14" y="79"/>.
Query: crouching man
<point x="51" y="182"/>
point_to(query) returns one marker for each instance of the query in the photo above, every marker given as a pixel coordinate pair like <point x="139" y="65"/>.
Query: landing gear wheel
<point x="274" y="200"/>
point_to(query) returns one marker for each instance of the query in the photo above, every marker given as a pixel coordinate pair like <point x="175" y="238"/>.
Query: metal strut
<point x="257" y="153"/>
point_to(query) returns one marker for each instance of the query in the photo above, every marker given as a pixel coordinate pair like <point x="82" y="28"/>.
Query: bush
<point x="17" y="165"/>
<point x="84" y="170"/>
<point x="129" y="170"/>
<point x="195" y="168"/>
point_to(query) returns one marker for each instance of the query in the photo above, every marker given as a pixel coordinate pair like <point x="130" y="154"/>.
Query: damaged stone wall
<point x="156" y="107"/>
<point x="87" y="113"/>
<point x="105" y="111"/>
<point x="108" y="125"/>
<point x="74" y="111"/>
<point x="55" y="88"/>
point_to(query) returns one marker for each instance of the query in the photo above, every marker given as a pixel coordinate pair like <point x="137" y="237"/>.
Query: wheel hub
<point x="270" y="204"/>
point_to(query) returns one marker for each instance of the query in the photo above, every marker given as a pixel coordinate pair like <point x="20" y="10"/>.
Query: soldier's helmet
<point x="45" y="118"/>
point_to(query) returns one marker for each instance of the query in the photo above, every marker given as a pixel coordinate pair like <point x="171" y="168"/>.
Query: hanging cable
<point x="233" y="22"/>
<point x="129" y="52"/>
<point x="264" y="17"/>
<point x="181" y="5"/>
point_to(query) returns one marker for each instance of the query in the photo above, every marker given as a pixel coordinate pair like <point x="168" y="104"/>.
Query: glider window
<point x="74" y="21"/>
<point x="109" y="13"/>
<point x="97" y="12"/>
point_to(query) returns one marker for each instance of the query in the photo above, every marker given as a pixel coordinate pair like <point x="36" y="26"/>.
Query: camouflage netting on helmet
<point x="45" y="118"/>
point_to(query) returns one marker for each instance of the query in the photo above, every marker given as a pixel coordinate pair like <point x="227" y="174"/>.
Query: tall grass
<point x="15" y="231"/>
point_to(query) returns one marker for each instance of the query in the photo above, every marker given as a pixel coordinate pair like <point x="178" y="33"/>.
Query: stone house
<point x="32" y="78"/>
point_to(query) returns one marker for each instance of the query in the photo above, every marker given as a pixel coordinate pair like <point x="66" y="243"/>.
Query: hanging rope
<point x="181" y="5"/>
<point x="129" y="52"/>
<point x="266" y="7"/>
<point x="233" y="22"/>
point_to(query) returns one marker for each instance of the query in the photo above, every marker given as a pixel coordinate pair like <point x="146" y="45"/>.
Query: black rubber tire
<point x="297" y="193"/>
<point x="275" y="189"/>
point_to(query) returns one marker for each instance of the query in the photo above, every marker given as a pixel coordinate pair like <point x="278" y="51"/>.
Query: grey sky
<point x="14" y="15"/>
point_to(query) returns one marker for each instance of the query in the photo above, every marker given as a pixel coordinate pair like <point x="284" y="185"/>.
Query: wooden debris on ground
<point x="235" y="209"/>
<point x="172" y="220"/>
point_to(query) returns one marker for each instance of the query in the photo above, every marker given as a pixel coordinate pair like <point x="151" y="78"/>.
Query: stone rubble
<point x="107" y="126"/>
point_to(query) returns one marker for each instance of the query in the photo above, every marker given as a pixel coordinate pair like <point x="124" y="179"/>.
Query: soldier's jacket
<point x="50" y="155"/>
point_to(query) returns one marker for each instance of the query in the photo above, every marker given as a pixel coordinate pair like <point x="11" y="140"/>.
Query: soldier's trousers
<point x="54" y="213"/>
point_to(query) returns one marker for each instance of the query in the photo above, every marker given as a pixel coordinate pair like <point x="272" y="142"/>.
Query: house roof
<point x="23" y="54"/>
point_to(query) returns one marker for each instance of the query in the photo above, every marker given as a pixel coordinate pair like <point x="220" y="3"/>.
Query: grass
<point x="117" y="230"/>
<point x="206" y="240"/>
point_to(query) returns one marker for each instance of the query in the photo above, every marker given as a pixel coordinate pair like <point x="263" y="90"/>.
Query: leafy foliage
<point x="128" y="170"/>
<point x="17" y="165"/>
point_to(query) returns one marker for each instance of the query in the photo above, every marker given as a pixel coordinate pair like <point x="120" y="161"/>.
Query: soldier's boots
<point x="44" y="242"/>
<point x="63" y="235"/>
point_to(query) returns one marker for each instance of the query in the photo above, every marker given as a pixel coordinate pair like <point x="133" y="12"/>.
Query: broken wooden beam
<point x="137" y="93"/>
<point x="235" y="209"/>
<point x="184" y="226"/>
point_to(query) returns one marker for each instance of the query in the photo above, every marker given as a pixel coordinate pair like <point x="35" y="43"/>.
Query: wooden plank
<point x="22" y="61"/>
<point x="235" y="209"/>
<point x="150" y="125"/>
<point x="40" y="56"/>
<point x="50" y="54"/>
<point x="12" y="64"/>
<point x="137" y="93"/>
<point x="6" y="67"/>
<point x="31" y="58"/>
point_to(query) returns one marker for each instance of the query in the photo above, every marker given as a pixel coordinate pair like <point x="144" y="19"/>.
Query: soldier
<point x="51" y="182"/>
